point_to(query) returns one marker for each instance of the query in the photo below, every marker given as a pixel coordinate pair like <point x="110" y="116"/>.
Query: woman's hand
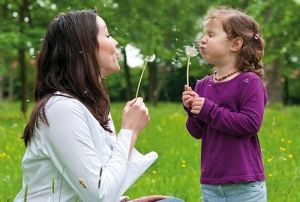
<point x="135" y="115"/>
<point x="152" y="198"/>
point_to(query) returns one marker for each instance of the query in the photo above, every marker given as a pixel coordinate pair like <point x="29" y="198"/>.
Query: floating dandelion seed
<point x="147" y="59"/>
<point x="82" y="183"/>
<point x="190" y="51"/>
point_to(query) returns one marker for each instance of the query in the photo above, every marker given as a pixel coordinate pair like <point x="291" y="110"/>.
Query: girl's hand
<point x="188" y="96"/>
<point x="135" y="116"/>
<point x="197" y="104"/>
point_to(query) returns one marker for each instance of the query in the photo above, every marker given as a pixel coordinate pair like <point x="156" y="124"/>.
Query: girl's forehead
<point x="212" y="23"/>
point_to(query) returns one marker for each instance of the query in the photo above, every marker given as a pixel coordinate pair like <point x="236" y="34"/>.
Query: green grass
<point x="176" y="172"/>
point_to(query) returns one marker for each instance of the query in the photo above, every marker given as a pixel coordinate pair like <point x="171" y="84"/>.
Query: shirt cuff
<point x="188" y="111"/>
<point x="126" y="132"/>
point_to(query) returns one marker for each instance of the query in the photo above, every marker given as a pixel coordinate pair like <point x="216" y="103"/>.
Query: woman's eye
<point x="108" y="36"/>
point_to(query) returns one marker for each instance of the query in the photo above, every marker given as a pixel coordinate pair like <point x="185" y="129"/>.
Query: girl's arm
<point x="194" y="126"/>
<point x="247" y="120"/>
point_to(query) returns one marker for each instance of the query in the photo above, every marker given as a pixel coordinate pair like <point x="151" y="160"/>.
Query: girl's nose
<point x="203" y="40"/>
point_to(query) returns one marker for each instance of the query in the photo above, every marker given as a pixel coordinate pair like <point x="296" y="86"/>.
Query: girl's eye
<point x="108" y="36"/>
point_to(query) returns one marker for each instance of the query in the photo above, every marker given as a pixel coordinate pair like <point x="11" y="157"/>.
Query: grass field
<point x="176" y="172"/>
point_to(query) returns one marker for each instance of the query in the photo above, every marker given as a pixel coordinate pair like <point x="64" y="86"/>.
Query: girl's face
<point x="108" y="54"/>
<point x="214" y="45"/>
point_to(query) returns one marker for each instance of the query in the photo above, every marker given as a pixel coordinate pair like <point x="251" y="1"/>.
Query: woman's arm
<point x="73" y="152"/>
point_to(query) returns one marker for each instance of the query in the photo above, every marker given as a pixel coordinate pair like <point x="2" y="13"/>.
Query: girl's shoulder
<point x="249" y="75"/>
<point x="203" y="80"/>
<point x="202" y="83"/>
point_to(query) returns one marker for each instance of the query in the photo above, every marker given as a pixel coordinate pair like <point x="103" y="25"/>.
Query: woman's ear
<point x="236" y="44"/>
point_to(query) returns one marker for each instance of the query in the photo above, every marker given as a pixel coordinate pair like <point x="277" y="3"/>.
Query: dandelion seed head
<point x="191" y="51"/>
<point x="150" y="58"/>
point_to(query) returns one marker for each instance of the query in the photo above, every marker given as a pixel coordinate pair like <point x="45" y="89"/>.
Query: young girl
<point x="226" y="109"/>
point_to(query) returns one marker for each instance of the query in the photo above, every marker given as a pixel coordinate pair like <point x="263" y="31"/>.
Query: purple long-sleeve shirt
<point x="228" y="124"/>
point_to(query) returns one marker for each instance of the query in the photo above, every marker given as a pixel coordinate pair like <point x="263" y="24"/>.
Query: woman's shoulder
<point x="63" y="102"/>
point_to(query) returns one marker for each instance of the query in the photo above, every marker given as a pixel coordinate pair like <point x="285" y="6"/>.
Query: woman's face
<point x="108" y="54"/>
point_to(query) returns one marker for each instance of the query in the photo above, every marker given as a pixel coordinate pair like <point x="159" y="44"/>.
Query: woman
<point x="72" y="150"/>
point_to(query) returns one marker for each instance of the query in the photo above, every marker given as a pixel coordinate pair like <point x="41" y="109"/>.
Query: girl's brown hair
<point x="238" y="24"/>
<point x="67" y="63"/>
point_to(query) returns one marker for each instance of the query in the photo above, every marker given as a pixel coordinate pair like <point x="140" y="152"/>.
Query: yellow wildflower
<point x="282" y="149"/>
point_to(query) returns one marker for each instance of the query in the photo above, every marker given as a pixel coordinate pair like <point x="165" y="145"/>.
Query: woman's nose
<point x="116" y="42"/>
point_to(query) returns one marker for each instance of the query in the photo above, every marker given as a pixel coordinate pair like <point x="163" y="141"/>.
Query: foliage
<point x="158" y="26"/>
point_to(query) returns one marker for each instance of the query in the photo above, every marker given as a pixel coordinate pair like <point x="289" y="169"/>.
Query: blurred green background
<point x="163" y="28"/>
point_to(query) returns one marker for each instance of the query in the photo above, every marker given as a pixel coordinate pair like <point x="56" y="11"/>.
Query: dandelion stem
<point x="137" y="91"/>
<point x="187" y="71"/>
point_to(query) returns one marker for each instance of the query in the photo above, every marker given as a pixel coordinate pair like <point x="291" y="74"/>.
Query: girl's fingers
<point x="196" y="108"/>
<point x="195" y="111"/>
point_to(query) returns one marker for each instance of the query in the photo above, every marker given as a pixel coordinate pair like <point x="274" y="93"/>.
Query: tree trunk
<point x="127" y="77"/>
<point x="274" y="82"/>
<point x="286" y="95"/>
<point x="10" y="84"/>
<point x="153" y="93"/>
<point x="23" y="79"/>
<point x="1" y="89"/>
<point x="23" y="12"/>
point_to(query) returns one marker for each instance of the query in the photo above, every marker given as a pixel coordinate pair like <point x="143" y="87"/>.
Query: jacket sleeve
<point x="72" y="150"/>
<point x="245" y="122"/>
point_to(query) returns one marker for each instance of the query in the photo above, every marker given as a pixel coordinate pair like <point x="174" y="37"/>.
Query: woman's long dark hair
<point x="67" y="63"/>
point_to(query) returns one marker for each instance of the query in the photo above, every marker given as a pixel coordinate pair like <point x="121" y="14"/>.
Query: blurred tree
<point x="279" y="21"/>
<point x="159" y="27"/>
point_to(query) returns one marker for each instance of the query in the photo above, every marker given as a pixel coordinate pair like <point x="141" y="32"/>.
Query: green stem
<point x="137" y="91"/>
<point x="187" y="71"/>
